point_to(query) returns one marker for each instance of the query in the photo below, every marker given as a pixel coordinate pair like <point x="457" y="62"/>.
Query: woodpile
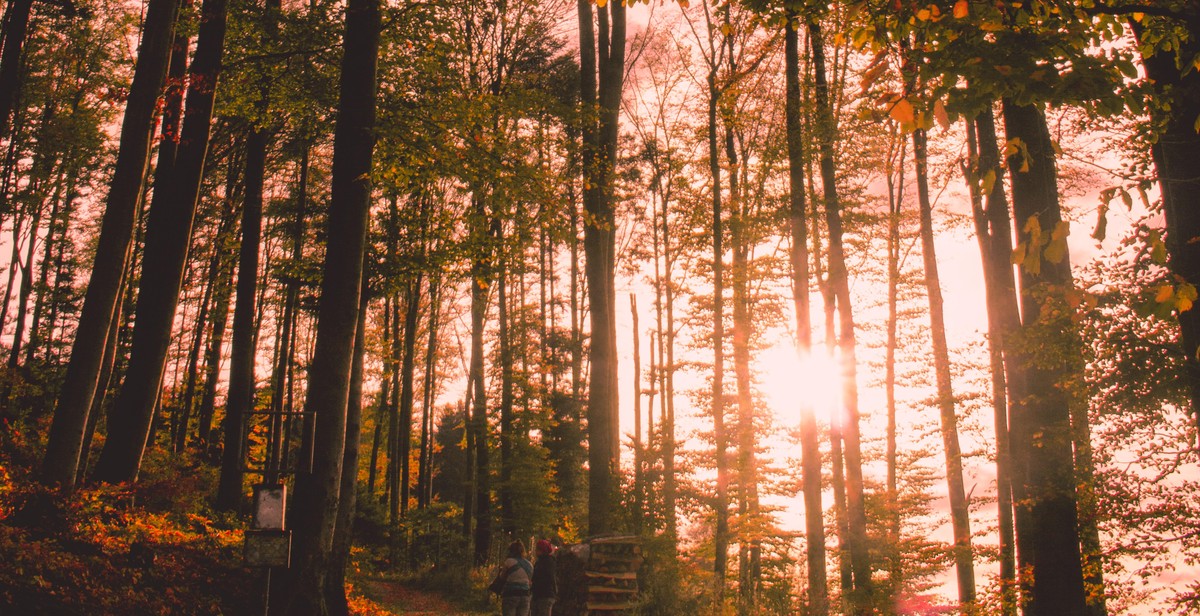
<point x="599" y="577"/>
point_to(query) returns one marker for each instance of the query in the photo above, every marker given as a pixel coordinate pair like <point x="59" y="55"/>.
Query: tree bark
<point x="895" y="180"/>
<point x="995" y="246"/>
<point x="720" y="438"/>
<point x="168" y="236"/>
<point x="16" y="27"/>
<point x="959" y="506"/>
<point x="810" y="453"/>
<point x="1046" y="514"/>
<point x="316" y="500"/>
<point x="602" y="54"/>
<point x="343" y="533"/>
<point x="860" y="559"/>
<point x="79" y="386"/>
<point x="1178" y="167"/>
<point x="428" y="397"/>
<point x="508" y="514"/>
<point x="407" y="370"/>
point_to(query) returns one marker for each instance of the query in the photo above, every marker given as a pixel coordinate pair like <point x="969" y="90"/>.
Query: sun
<point x="791" y="382"/>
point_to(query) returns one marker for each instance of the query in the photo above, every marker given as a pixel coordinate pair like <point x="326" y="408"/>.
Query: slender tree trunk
<point x="428" y="396"/>
<point x="860" y="559"/>
<point x="99" y="306"/>
<point x="393" y="413"/>
<point x="16" y="26"/>
<point x="168" y="236"/>
<point x="287" y="324"/>
<point x="602" y="54"/>
<point x="14" y="265"/>
<point x="106" y="382"/>
<point x="959" y="506"/>
<point x="720" y="439"/>
<point x="995" y="248"/>
<point x="1046" y="515"/>
<point x="810" y="453"/>
<point x="184" y="400"/>
<point x="749" y="554"/>
<point x="316" y="499"/>
<point x="62" y="279"/>
<point x="895" y="180"/>
<point x="26" y="288"/>
<point x="343" y="532"/>
<point x="56" y="235"/>
<point x="407" y="370"/>
<point x="239" y="400"/>
<point x="382" y="410"/>
<point x="508" y="515"/>
<point x="482" y="273"/>
<point x="216" y="291"/>
<point x="220" y="315"/>
<point x="639" y="494"/>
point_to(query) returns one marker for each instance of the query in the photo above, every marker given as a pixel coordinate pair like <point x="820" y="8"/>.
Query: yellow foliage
<point x="1164" y="293"/>
<point x="939" y="113"/>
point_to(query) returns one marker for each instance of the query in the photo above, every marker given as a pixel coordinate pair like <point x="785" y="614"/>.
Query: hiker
<point x="544" y="587"/>
<point x="517" y="573"/>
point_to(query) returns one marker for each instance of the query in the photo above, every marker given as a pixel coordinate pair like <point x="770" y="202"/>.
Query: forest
<point x="312" y="307"/>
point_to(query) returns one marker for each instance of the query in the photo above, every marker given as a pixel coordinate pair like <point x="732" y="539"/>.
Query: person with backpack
<point x="516" y="574"/>
<point x="544" y="586"/>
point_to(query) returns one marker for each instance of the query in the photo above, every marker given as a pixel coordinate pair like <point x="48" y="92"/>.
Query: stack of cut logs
<point x="599" y="577"/>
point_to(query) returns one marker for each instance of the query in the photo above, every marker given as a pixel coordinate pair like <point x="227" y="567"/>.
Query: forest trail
<point x="397" y="597"/>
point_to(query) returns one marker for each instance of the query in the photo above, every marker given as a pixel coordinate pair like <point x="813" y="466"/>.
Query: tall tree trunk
<point x="56" y="235"/>
<point x="720" y="439"/>
<point x="810" y="453"/>
<point x="220" y="313"/>
<point x="639" y="494"/>
<point x="895" y="181"/>
<point x="315" y="508"/>
<point x="995" y="247"/>
<point x="168" y="236"/>
<point x="14" y="264"/>
<point x="750" y="552"/>
<point x="959" y="507"/>
<point x="287" y="324"/>
<point x="186" y="400"/>
<point x="1177" y="167"/>
<point x="382" y="410"/>
<point x="102" y="389"/>
<point x="116" y="231"/>
<point x="343" y="532"/>
<point x="26" y="289"/>
<point x="393" y="410"/>
<point x="214" y="305"/>
<point x="407" y="370"/>
<point x="428" y="397"/>
<point x="508" y="515"/>
<point x="602" y="54"/>
<point x="480" y="501"/>
<point x="239" y="400"/>
<point x="1043" y="475"/>
<point x="667" y="357"/>
<point x="860" y="559"/>
<point x="16" y="26"/>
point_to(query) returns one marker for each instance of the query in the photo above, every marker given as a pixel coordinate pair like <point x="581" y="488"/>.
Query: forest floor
<point x="156" y="548"/>
<point x="375" y="596"/>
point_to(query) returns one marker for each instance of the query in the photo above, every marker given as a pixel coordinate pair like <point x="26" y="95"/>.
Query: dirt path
<point x="393" y="597"/>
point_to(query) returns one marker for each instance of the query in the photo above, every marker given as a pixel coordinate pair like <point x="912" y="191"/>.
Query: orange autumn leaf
<point x="903" y="111"/>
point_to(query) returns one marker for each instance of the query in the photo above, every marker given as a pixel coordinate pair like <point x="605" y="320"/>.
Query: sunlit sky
<point x="783" y="380"/>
